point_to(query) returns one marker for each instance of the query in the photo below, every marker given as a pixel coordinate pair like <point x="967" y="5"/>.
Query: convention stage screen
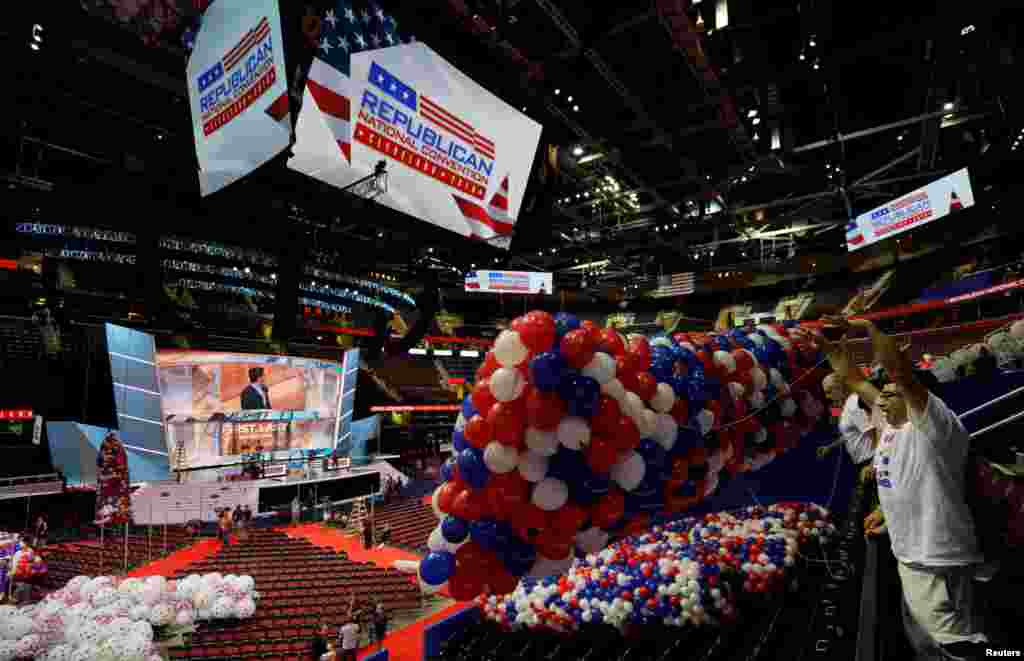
<point x="356" y="486"/>
<point x="217" y="406"/>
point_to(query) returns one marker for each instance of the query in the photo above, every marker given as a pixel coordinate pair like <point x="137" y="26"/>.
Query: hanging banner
<point x="510" y="282"/>
<point x="238" y="91"/>
<point x="113" y="486"/>
<point x="936" y="200"/>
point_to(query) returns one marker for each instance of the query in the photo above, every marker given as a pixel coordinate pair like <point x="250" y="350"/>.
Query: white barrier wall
<point x="172" y="503"/>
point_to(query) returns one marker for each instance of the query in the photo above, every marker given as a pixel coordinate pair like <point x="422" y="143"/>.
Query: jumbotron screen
<point x="219" y="406"/>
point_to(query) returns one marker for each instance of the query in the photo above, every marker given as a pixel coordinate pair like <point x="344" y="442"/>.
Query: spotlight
<point x="569" y="99"/>
<point x="802" y="57"/>
<point x="752" y="112"/>
<point x="816" y="66"/>
<point x="948" y="105"/>
<point x="557" y="92"/>
<point x="812" y="43"/>
<point x="577" y="151"/>
<point x="757" y="120"/>
<point x="575" y="108"/>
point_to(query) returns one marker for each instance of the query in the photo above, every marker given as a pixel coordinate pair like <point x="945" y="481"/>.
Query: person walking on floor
<point x="348" y="634"/>
<point x="380" y="624"/>
<point x="296" y="511"/>
<point x="225" y="526"/>
<point x="367" y="533"/>
<point x="42" y="531"/>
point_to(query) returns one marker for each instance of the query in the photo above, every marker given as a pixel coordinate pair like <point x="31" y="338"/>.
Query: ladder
<point x="355" y="519"/>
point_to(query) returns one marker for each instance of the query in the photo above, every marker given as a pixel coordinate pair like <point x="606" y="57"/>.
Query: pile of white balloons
<point x="111" y="619"/>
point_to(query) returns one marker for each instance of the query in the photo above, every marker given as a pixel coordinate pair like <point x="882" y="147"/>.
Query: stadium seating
<point x="301" y="586"/>
<point x="411" y="522"/>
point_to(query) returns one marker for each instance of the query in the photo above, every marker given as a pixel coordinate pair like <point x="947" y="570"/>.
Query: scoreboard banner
<point x="238" y="91"/>
<point x="936" y="200"/>
<point x="510" y="282"/>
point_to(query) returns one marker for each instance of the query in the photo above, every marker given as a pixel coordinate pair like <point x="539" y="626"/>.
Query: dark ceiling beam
<point x="625" y="26"/>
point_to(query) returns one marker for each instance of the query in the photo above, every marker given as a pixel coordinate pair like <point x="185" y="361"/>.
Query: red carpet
<point x="407" y="644"/>
<point x="179" y="560"/>
<point x="352" y="545"/>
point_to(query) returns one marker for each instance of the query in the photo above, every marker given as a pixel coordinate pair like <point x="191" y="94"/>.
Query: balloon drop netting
<point x="114" y="619"/>
<point x="575" y="435"/>
<point x="686" y="572"/>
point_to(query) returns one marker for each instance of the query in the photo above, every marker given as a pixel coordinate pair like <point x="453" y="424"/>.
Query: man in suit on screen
<point x="256" y="396"/>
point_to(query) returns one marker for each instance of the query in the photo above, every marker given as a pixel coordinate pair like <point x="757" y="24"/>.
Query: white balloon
<point x="758" y="379"/>
<point x="434" y="499"/>
<point x="460" y="422"/>
<point x="725" y="360"/>
<point x="629" y="472"/>
<point x="664" y="398"/>
<point x="592" y="540"/>
<point x="506" y="384"/>
<point x="544" y="443"/>
<point x="705" y="420"/>
<point x="1017" y="329"/>
<point x="436" y="542"/>
<point x="500" y="458"/>
<point x="532" y="466"/>
<point x="573" y="433"/>
<point x="550" y="494"/>
<point x="509" y="349"/>
<point x="647" y="423"/>
<point x="665" y="431"/>
<point x="601" y="368"/>
<point x="736" y="390"/>
<point x="615" y="390"/>
<point x="633" y="405"/>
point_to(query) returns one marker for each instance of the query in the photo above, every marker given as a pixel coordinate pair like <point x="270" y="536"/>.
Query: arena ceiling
<point x="688" y="125"/>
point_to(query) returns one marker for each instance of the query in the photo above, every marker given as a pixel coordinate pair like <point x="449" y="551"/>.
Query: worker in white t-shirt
<point x="349" y="634"/>
<point x="920" y="470"/>
<point x="856" y="428"/>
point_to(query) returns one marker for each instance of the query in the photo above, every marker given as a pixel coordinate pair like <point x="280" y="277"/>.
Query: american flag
<point x="347" y="29"/>
<point x="854" y="237"/>
<point x="677" y="284"/>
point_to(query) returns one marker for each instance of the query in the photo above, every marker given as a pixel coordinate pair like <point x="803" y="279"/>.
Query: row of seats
<point x="411" y="523"/>
<point x="301" y="587"/>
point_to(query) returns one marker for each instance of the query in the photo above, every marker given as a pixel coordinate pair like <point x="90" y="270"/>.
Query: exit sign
<point x="16" y="414"/>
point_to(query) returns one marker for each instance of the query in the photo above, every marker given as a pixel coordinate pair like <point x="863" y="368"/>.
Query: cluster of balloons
<point x="117" y="619"/>
<point x="574" y="435"/>
<point x="687" y="572"/>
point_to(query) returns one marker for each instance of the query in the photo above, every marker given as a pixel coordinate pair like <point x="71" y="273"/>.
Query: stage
<point x="159" y="503"/>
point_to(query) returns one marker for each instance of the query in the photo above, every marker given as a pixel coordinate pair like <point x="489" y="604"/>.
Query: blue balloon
<point x="581" y="393"/>
<point x="485" y="534"/>
<point x="454" y="530"/>
<point x="472" y="468"/>
<point x="662" y="368"/>
<point x="568" y="465"/>
<point x="518" y="557"/>
<point x="546" y="370"/>
<point x="589" y="489"/>
<point x="459" y="441"/>
<point x="679" y="386"/>
<point x="448" y="466"/>
<point x="468" y="410"/>
<point x="565" y="322"/>
<point x="654" y="455"/>
<point x="437" y="567"/>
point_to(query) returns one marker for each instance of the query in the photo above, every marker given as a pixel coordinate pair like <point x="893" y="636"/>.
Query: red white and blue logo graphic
<point x="854" y="236"/>
<point x="242" y="76"/>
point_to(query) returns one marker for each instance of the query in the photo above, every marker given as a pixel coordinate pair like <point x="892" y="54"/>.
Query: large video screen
<point x="238" y="91"/>
<point x="219" y="406"/>
<point x="457" y="156"/>
<point x="938" y="199"/>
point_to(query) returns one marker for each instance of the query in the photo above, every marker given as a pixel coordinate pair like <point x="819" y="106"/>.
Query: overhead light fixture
<point x="816" y="66"/>
<point x="577" y="151"/>
<point x="752" y="112"/>
<point x="756" y="137"/>
<point x="443" y="352"/>
<point x="948" y="105"/>
<point x="557" y="92"/>
<point x="812" y="42"/>
<point x="757" y="120"/>
<point x="469" y="354"/>
<point x="575" y="108"/>
<point x="966" y="30"/>
<point x="417" y="352"/>
<point x="802" y="57"/>
<point x="569" y="99"/>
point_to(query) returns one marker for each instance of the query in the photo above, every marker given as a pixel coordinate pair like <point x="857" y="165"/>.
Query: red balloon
<point x="449" y="491"/>
<point x="464" y="587"/>
<point x="744" y="361"/>
<point x="646" y="386"/>
<point x="506" y="493"/>
<point x="489" y="366"/>
<point x="577" y="348"/>
<point x="594" y="330"/>
<point x="681" y="411"/>
<point x="529" y="521"/>
<point x="606" y="419"/>
<point x="536" y="330"/>
<point x="482" y="398"/>
<point x="544" y="410"/>
<point x="508" y="423"/>
<point x="478" y="431"/>
<point x="626" y="436"/>
<point x="612" y="343"/>
<point x="500" y="581"/>
<point x="565" y="522"/>
<point x="716" y="409"/>
<point x="601" y="455"/>
<point x="638" y="524"/>
<point x="553" y="548"/>
<point x="609" y="509"/>
<point x="626" y="373"/>
<point x="680" y="469"/>
<point x="469" y="505"/>
<point x="641" y="348"/>
<point x="709" y="364"/>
